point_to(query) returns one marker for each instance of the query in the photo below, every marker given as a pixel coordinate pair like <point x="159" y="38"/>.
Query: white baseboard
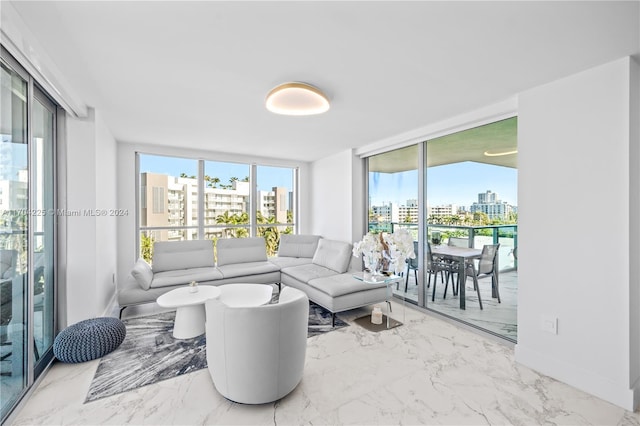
<point x="586" y="381"/>
<point x="112" y="306"/>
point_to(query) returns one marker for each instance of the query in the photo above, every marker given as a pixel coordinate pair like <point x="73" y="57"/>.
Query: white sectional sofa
<point x="322" y="268"/>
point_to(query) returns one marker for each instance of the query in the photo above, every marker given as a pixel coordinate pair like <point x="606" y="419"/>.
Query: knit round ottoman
<point x="89" y="339"/>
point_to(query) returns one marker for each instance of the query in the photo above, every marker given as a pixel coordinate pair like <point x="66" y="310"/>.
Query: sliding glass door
<point x="458" y="189"/>
<point x="27" y="232"/>
<point x="14" y="249"/>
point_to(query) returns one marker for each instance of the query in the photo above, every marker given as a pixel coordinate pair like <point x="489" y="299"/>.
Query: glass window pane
<point x="14" y="186"/>
<point x="43" y="233"/>
<point x="168" y="200"/>
<point x="393" y="190"/>
<point x="226" y="203"/>
<point x="275" y="204"/>
<point x="393" y="201"/>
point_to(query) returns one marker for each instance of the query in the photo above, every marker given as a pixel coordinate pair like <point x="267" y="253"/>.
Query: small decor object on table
<point x="376" y="315"/>
<point x="436" y="238"/>
<point x="193" y="287"/>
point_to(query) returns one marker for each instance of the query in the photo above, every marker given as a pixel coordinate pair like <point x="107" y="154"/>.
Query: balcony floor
<point x="497" y="318"/>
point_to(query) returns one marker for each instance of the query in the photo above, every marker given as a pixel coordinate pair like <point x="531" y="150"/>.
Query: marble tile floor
<point x="427" y="371"/>
<point x="499" y="318"/>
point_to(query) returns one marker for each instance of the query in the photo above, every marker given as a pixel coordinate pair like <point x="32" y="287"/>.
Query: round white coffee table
<point x="245" y="295"/>
<point x="190" y="314"/>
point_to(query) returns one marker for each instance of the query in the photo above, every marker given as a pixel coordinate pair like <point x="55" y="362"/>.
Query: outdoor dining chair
<point x="486" y="268"/>
<point x="458" y="242"/>
<point x="412" y="265"/>
<point x="446" y="270"/>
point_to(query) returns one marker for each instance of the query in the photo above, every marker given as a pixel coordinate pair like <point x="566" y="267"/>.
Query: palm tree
<point x="215" y="181"/>
<point x="271" y="234"/>
<point x="146" y="247"/>
<point x="225" y="218"/>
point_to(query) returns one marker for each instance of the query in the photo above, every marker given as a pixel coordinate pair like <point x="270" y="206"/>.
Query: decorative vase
<point x="193" y="287"/>
<point x="367" y="275"/>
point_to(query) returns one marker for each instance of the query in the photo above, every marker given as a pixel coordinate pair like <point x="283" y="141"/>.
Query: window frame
<point x="201" y="226"/>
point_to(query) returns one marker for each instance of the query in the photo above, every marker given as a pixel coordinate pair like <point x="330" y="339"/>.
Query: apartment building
<point x="167" y="201"/>
<point x="443" y="210"/>
<point x="489" y="204"/>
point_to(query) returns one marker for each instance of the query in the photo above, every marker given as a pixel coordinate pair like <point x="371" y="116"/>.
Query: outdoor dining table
<point x="462" y="255"/>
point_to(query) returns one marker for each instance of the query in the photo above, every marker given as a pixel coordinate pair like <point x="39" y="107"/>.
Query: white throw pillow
<point x="142" y="273"/>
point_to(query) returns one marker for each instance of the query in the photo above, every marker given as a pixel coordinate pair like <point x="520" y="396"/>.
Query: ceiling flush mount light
<point x="297" y="99"/>
<point x="499" y="154"/>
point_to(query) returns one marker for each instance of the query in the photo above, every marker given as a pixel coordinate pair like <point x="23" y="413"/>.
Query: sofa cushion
<point x="292" y="245"/>
<point x="143" y="273"/>
<point x="308" y="272"/>
<point x="241" y="250"/>
<point x="333" y="254"/>
<point x="246" y="269"/>
<point x="286" y="262"/>
<point x="173" y="255"/>
<point x="185" y="276"/>
<point x="341" y="284"/>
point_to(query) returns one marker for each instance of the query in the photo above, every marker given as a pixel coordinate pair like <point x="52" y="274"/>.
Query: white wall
<point x="126" y="191"/>
<point x="574" y="231"/>
<point x="337" y="203"/>
<point x="634" y="247"/>
<point x="90" y="246"/>
<point x="106" y="200"/>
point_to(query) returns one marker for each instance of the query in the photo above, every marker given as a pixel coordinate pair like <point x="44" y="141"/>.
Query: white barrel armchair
<point x="256" y="354"/>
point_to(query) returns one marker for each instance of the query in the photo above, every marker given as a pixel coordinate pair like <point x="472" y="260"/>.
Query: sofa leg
<point x="333" y="319"/>
<point x="121" y="309"/>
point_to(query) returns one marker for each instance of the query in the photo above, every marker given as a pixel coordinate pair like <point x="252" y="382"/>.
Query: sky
<point x="268" y="176"/>
<point x="457" y="184"/>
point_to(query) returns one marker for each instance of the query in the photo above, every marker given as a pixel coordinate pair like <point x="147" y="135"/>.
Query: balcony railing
<point x="505" y="235"/>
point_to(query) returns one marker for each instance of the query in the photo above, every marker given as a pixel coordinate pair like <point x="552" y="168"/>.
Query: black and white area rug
<point x="150" y="354"/>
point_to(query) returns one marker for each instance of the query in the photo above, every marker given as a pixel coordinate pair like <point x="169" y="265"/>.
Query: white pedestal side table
<point x="190" y="314"/>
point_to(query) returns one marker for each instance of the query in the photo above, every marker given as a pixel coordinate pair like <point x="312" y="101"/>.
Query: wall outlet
<point x="549" y="324"/>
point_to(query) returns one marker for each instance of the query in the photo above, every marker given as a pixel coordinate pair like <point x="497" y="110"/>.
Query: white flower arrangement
<point x="372" y="248"/>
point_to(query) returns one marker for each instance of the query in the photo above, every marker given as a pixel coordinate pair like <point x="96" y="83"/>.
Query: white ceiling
<point x="195" y="74"/>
